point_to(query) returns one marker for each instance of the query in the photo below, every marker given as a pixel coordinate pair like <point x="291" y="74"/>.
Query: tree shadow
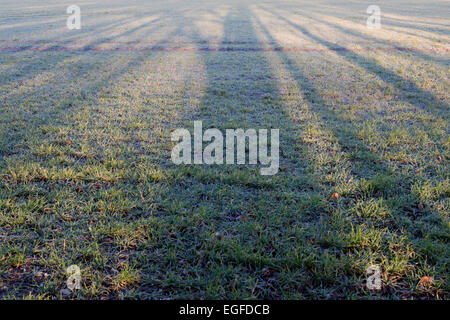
<point x="34" y="67"/>
<point x="212" y="227"/>
<point x="422" y="99"/>
<point x="386" y="12"/>
<point x="240" y="92"/>
<point x="79" y="90"/>
<point x="343" y="131"/>
<point x="373" y="39"/>
<point x="29" y="69"/>
<point x="59" y="127"/>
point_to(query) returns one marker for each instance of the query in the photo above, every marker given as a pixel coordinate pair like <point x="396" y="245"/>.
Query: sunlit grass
<point x="86" y="176"/>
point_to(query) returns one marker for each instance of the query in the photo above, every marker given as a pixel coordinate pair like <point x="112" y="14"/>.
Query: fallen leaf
<point x="426" y="281"/>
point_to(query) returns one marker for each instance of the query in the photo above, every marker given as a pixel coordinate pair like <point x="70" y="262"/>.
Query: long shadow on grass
<point x="88" y="193"/>
<point x="422" y="98"/>
<point x="232" y="225"/>
<point x="360" y="35"/>
<point x="28" y="70"/>
<point x="54" y="104"/>
<point x="313" y="96"/>
<point x="409" y="23"/>
<point x="343" y="133"/>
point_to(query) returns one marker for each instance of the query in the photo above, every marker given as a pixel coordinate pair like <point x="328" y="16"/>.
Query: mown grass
<point x="86" y="177"/>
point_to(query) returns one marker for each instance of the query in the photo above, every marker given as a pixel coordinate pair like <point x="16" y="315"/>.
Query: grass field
<point x="86" y="176"/>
